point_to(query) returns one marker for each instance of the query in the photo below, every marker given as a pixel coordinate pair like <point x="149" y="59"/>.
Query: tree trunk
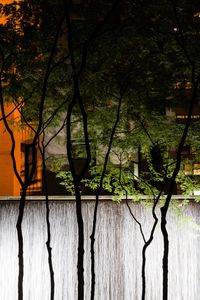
<point x="20" y="245"/>
<point x="80" y="263"/>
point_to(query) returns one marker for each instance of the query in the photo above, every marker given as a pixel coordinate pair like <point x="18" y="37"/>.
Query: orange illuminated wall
<point x="9" y="185"/>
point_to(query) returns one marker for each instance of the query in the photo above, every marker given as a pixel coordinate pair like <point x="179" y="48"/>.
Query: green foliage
<point x="66" y="180"/>
<point x="144" y="63"/>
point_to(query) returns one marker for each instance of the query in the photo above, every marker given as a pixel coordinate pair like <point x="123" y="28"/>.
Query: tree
<point x="18" y="30"/>
<point x="115" y="76"/>
<point x="163" y="44"/>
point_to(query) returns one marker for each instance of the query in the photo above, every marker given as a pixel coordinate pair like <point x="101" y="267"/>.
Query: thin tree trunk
<point x="195" y="78"/>
<point x="23" y="196"/>
<point x="48" y="242"/>
<point x="76" y="181"/>
<point x="92" y="236"/>
<point x="20" y="245"/>
<point x="165" y="208"/>
<point x="146" y="245"/>
<point x="165" y="253"/>
<point x="29" y="172"/>
<point x="149" y="241"/>
<point x="76" y="74"/>
<point x="146" y="242"/>
<point x="80" y="262"/>
<point x="92" y="251"/>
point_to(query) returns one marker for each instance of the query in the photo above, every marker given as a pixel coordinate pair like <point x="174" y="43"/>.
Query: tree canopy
<point x="146" y="53"/>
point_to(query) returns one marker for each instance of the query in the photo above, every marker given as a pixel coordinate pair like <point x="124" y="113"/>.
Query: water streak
<point x="118" y="253"/>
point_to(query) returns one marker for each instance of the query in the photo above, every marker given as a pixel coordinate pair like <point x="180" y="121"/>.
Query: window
<point x="35" y="186"/>
<point x="191" y="168"/>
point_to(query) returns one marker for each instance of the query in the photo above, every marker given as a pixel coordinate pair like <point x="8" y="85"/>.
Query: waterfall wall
<point x="118" y="252"/>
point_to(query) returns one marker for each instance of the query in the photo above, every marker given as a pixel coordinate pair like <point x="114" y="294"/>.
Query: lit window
<point x="196" y="168"/>
<point x="187" y="169"/>
<point x="197" y="14"/>
<point x="191" y="169"/>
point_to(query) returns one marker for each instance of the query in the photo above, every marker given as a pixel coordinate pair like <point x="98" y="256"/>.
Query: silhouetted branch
<point x="58" y="131"/>
<point x="4" y="117"/>
<point x="48" y="242"/>
<point x="76" y="99"/>
<point x="12" y="111"/>
<point x="144" y="128"/>
<point x="92" y="236"/>
<point x="24" y="188"/>
<point x="164" y="209"/>
<point x="150" y="239"/>
<point x="134" y="218"/>
<point x="49" y="120"/>
<point x="29" y="172"/>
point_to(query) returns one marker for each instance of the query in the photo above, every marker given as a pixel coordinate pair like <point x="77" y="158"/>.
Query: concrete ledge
<point x="88" y="198"/>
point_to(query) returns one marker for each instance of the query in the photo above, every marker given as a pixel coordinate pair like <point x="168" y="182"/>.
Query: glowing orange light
<point x="3" y="18"/>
